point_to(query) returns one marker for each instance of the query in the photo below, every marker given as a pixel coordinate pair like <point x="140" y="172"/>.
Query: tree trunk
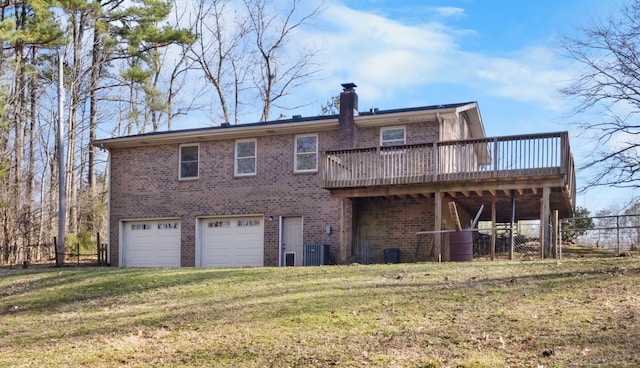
<point x="96" y="67"/>
<point x="30" y="221"/>
<point x="75" y="132"/>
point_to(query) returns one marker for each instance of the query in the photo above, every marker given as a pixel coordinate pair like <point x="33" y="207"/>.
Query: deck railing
<point x="531" y="155"/>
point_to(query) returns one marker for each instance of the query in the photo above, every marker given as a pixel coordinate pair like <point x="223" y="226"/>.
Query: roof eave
<point x="475" y="119"/>
<point x="232" y="132"/>
<point x="406" y="117"/>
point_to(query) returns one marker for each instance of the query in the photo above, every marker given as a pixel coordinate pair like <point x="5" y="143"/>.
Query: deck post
<point x="511" y="224"/>
<point x="346" y="231"/>
<point x="437" y="226"/>
<point x="556" y="234"/>
<point x="493" y="228"/>
<point x="544" y="223"/>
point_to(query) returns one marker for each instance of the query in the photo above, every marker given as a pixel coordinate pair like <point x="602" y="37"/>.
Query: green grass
<point x="480" y="314"/>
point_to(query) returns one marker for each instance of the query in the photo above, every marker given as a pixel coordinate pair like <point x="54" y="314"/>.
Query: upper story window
<point x="189" y="161"/>
<point x="393" y="136"/>
<point x="306" y="155"/>
<point x="245" y="161"/>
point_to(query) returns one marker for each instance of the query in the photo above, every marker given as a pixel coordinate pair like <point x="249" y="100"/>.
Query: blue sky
<point x="503" y="54"/>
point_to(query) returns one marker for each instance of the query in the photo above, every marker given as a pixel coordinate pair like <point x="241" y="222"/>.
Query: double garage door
<point x="223" y="242"/>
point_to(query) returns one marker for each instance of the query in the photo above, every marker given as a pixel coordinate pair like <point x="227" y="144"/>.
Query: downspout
<point x="108" y="207"/>
<point x="280" y="254"/>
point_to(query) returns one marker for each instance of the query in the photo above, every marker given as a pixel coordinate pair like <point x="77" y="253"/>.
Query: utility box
<point x="392" y="255"/>
<point x="316" y="254"/>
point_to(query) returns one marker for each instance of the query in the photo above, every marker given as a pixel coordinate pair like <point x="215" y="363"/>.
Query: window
<point x="244" y="223"/>
<point x="394" y="136"/>
<point x="167" y="225"/>
<point x="306" y="157"/>
<point x="189" y="162"/>
<point x="245" y="157"/>
<point x="141" y="227"/>
<point x="219" y="224"/>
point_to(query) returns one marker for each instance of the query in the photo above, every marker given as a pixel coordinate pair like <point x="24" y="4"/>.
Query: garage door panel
<point x="152" y="243"/>
<point x="232" y="242"/>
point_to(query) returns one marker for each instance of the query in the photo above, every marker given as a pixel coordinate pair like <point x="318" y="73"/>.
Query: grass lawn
<point x="580" y="313"/>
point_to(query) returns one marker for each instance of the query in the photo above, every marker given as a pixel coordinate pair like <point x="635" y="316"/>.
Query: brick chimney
<point x="348" y="110"/>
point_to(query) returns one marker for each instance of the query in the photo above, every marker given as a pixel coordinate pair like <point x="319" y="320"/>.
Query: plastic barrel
<point x="461" y="246"/>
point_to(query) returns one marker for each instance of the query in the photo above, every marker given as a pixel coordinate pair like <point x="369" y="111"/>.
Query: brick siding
<point x="145" y="185"/>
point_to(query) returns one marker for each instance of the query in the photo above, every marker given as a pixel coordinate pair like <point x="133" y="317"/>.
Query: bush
<point x="87" y="244"/>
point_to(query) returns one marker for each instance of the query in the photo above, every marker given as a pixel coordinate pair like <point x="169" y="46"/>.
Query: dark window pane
<point x="393" y="135"/>
<point x="306" y="162"/>
<point x="246" y="166"/>
<point x="246" y="149"/>
<point x="189" y="153"/>
<point x="189" y="169"/>
<point x="306" y="144"/>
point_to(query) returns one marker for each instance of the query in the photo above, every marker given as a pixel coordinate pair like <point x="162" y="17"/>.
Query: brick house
<point x="344" y="188"/>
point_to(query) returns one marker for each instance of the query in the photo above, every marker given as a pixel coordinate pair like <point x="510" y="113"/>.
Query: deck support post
<point x="555" y="238"/>
<point x="493" y="228"/>
<point x="437" y="226"/>
<point x="346" y="231"/>
<point x="545" y="233"/>
<point x="511" y="224"/>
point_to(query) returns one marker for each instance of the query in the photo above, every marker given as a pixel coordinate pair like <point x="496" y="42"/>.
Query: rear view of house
<point x="325" y="189"/>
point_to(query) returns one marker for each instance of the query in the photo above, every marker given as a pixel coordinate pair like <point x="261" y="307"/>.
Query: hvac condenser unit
<point x="316" y="254"/>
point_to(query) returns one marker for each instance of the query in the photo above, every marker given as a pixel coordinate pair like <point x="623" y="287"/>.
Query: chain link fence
<point x="617" y="234"/>
<point x="526" y="241"/>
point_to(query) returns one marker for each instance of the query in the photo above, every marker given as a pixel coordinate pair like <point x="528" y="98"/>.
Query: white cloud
<point x="448" y="11"/>
<point x="379" y="54"/>
<point x="387" y="56"/>
<point x="532" y="75"/>
<point x="384" y="56"/>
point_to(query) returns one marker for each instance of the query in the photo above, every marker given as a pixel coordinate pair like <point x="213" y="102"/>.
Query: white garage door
<point x="151" y="243"/>
<point x="232" y="242"/>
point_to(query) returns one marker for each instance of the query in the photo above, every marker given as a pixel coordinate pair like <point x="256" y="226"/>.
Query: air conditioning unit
<point x="316" y="254"/>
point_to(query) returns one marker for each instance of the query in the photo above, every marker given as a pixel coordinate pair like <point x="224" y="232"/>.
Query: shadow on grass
<point x="357" y="303"/>
<point x="272" y="292"/>
<point x="53" y="289"/>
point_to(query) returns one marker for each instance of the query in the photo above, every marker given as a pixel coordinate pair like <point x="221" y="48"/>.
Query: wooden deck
<point x="508" y="159"/>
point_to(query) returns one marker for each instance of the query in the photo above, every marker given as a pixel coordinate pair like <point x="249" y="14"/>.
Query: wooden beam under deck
<point x="527" y="197"/>
<point x="492" y="187"/>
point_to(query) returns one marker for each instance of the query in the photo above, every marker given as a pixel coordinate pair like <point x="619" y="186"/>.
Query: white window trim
<point x="235" y="157"/>
<point x="404" y="130"/>
<point x="180" y="162"/>
<point x="295" y="153"/>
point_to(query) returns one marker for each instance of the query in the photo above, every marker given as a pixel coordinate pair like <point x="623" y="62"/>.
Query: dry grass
<point x="579" y="313"/>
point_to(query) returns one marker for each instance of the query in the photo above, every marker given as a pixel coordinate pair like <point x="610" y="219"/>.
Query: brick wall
<point x="383" y="223"/>
<point x="144" y="184"/>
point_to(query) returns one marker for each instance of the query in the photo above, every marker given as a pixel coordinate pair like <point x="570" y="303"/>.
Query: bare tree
<point x="176" y="70"/>
<point x="246" y="55"/>
<point x="222" y="53"/>
<point x="279" y="73"/>
<point x="606" y="93"/>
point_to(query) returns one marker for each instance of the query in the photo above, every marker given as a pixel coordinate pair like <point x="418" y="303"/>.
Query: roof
<point x="297" y="124"/>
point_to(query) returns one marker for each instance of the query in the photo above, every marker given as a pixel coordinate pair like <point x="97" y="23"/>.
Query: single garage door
<point x="151" y="243"/>
<point x="232" y="242"/>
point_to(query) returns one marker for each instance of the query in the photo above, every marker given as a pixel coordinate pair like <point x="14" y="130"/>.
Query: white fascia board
<point x="231" y="132"/>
